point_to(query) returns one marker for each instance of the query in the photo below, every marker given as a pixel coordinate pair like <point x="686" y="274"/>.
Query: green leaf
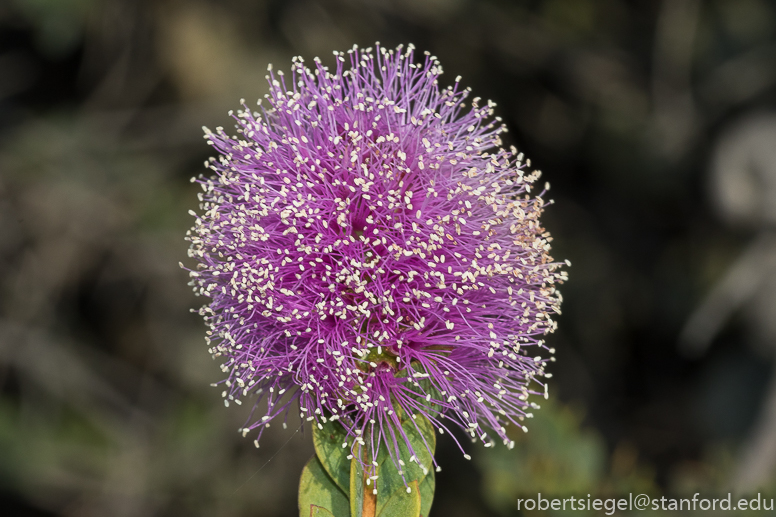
<point x="317" y="511"/>
<point x="427" y="487"/>
<point x="334" y="458"/>
<point x="317" y="489"/>
<point x="402" y="504"/>
<point x="421" y="435"/>
<point x="348" y="475"/>
<point x="356" y="487"/>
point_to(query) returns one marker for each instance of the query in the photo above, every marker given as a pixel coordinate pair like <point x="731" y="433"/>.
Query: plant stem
<point x="370" y="499"/>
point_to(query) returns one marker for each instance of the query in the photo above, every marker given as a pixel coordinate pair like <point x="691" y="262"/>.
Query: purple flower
<point x="367" y="246"/>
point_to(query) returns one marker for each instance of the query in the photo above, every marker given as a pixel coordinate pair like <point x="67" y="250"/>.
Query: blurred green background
<point x="653" y="120"/>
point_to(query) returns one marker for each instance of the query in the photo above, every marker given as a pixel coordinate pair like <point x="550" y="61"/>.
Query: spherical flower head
<point x="370" y="252"/>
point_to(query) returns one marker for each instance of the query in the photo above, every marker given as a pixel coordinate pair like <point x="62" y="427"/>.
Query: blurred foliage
<point x="105" y="407"/>
<point x="559" y="458"/>
<point x="59" y="24"/>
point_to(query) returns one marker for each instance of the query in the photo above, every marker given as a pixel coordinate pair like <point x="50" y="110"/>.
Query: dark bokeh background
<point x="653" y="121"/>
